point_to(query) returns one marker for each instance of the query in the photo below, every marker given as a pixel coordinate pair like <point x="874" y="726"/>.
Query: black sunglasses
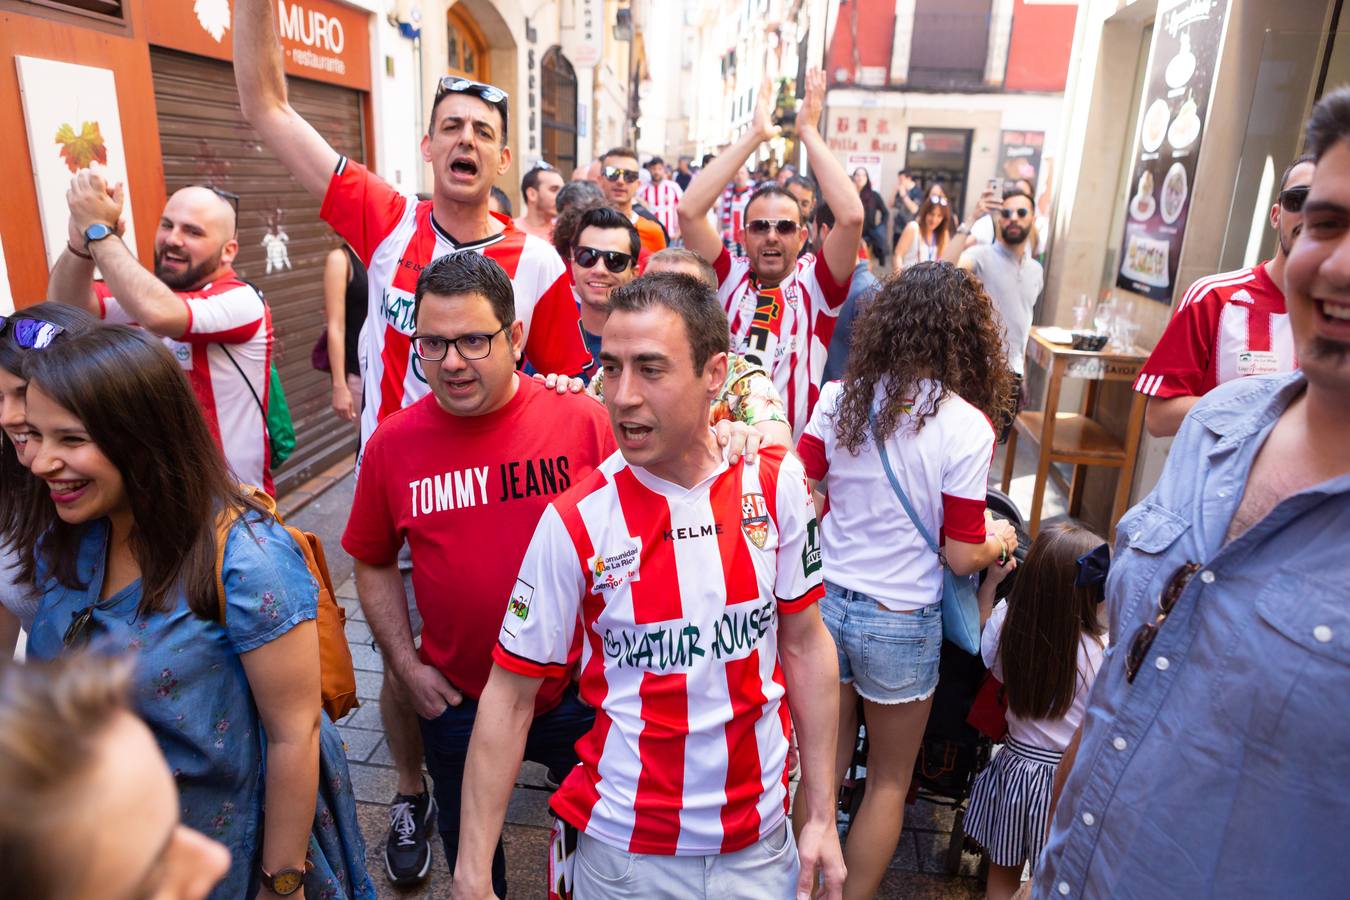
<point x="615" y="261"/>
<point x="229" y="197"/>
<point x="784" y="227"/>
<point x="1009" y="213"/>
<point x="1292" y="199"/>
<point x="31" y="334"/>
<point x="1143" y="638"/>
<point x="614" y="173"/>
<point x="82" y="627"/>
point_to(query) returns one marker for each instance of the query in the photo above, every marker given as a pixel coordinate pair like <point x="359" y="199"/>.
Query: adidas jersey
<point x="1226" y="326"/>
<point x="678" y="592"/>
<point x="785" y="329"/>
<point x="396" y="236"/>
<point x="226" y="354"/>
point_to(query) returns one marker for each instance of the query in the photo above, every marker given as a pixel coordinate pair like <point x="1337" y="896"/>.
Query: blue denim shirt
<point x="1224" y="769"/>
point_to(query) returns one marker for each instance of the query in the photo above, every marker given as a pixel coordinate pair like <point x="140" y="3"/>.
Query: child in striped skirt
<point x="1046" y="644"/>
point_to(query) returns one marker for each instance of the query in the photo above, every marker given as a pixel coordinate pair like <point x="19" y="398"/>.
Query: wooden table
<point x="1076" y="438"/>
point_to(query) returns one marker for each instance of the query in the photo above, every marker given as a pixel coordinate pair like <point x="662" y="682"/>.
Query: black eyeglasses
<point x="1143" y="638"/>
<point x="432" y="348"/>
<point x="31" y="334"/>
<point x="616" y="262"/>
<point x="614" y="173"/>
<point x="784" y="227"/>
<point x="1009" y="213"/>
<point x="81" y="628"/>
<point x="1292" y="199"/>
<point x="229" y="197"/>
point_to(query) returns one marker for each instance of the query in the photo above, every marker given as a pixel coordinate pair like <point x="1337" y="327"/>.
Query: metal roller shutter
<point x="205" y="140"/>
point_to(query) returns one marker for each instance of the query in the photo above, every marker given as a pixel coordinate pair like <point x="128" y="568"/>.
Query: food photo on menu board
<point x="1181" y="63"/>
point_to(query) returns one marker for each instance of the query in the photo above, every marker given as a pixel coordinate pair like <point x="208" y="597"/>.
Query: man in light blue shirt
<point x="1214" y="759"/>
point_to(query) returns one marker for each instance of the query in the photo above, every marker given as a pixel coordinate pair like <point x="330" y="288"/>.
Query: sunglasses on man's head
<point x="761" y="227"/>
<point x="31" y="334"/>
<point x="614" y="173"/>
<point x="1021" y="213"/>
<point x="937" y="201"/>
<point x="228" y="196"/>
<point x="615" y="261"/>
<point x="1292" y="199"/>
<point x="453" y="84"/>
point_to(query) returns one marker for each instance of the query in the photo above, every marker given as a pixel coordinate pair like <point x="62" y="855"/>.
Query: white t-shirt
<point x="678" y="593"/>
<point x="1048" y="734"/>
<point x="868" y="542"/>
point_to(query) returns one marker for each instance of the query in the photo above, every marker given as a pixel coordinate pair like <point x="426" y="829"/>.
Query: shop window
<point x="559" y="82"/>
<point x="466" y="50"/>
<point x="950" y="43"/>
<point x="104" y="9"/>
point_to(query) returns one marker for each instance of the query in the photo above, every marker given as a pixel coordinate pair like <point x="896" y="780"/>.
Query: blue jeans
<point x="445" y="741"/>
<point x="890" y="657"/>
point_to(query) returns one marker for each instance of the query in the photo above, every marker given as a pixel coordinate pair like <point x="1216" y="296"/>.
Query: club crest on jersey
<point x="755" y="519"/>
<point x="518" y="607"/>
<point x="609" y="570"/>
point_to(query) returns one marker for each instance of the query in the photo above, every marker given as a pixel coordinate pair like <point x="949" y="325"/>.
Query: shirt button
<point x="1089" y="819"/>
<point x="1162" y="663"/>
<point x="1322" y="633"/>
<point x="1207" y="576"/>
<point x="1223" y="493"/>
<point x="1064" y="888"/>
<point x="1119" y="743"/>
<point x="1136" y="536"/>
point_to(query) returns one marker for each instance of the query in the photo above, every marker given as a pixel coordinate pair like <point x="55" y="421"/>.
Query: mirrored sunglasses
<point x="937" y="201"/>
<point x="453" y="84"/>
<point x="31" y="334"/>
<point x="614" y="173"/>
<point x="615" y="261"/>
<point x="784" y="227"/>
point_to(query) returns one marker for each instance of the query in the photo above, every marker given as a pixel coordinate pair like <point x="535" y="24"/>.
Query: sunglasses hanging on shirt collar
<point x="30" y="334"/>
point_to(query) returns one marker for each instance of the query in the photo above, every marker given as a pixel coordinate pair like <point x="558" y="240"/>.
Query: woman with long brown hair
<point x="128" y="563"/>
<point x="924" y="239"/>
<point x="925" y="376"/>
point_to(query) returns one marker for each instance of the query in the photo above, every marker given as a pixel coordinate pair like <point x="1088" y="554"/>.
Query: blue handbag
<point x="960" y="605"/>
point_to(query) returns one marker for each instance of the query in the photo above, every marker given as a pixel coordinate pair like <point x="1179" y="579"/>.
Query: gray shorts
<point x="767" y="869"/>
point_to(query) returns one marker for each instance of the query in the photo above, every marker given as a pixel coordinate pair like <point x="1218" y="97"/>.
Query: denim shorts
<point x="889" y="657"/>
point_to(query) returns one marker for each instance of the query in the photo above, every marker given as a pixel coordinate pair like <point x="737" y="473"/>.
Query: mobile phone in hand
<point x="995" y="187"/>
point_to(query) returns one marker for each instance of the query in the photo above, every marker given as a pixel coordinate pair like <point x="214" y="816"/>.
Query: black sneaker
<point x="407" y="850"/>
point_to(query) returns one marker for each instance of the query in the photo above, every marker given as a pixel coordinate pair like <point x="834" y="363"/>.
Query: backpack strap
<point x="899" y="491"/>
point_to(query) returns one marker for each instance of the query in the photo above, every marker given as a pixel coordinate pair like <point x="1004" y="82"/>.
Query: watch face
<point x="287" y="881"/>
<point x="96" y="231"/>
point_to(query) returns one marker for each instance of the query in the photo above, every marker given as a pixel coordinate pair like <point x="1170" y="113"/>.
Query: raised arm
<point x="72" y="277"/>
<point x="838" y="190"/>
<point x="261" y="78"/>
<point x="336" y="274"/>
<point x="708" y="184"/>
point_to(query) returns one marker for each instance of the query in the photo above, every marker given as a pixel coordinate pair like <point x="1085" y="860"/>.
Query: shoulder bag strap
<point x="899" y="491"/>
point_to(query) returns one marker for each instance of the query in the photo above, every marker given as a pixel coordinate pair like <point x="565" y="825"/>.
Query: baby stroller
<point x="952" y="752"/>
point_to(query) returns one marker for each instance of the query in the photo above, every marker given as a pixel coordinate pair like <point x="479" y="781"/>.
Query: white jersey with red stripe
<point x="663" y="200"/>
<point x="396" y="237"/>
<point x="678" y="592"/>
<point x="1226" y="326"/>
<point x="784" y="329"/>
<point x="226" y="354"/>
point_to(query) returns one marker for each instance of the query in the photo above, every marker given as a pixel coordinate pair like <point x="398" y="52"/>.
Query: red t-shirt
<point x="466" y="492"/>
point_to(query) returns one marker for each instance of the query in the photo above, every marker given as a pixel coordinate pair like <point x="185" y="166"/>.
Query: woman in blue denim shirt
<point x="128" y="563"/>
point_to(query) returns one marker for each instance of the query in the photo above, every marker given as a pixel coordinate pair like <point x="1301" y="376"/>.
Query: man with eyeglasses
<point x="216" y="325"/>
<point x="1229" y="325"/>
<point x="619" y="178"/>
<point x="1212" y="759"/>
<point x="782" y="308"/>
<point x="1012" y="277"/>
<point x="463" y="476"/>
<point x="539" y="191"/>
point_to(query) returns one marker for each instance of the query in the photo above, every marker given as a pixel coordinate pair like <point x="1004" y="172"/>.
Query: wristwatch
<point x="284" y="882"/>
<point x="96" y="232"/>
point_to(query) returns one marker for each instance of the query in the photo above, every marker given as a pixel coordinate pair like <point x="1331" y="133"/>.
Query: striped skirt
<point x="1010" y="802"/>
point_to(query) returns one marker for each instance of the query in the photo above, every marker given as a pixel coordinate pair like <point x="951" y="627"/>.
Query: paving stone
<point x="532" y="775"/>
<point x="381" y="755"/>
<point x="529" y="806"/>
<point x="368" y="685"/>
<point x="368" y="716"/>
<point x="359" y="742"/>
<point x="366" y="657"/>
<point x="347" y="590"/>
<point x="373" y="784"/>
<point x="358" y="632"/>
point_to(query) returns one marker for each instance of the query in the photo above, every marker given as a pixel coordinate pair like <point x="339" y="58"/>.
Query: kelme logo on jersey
<point x="518" y="607"/>
<point x="755" y="519"/>
<point x="609" y="570"/>
<point x="811" y="552"/>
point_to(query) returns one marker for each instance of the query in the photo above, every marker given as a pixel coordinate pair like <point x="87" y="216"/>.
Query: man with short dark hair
<point x="539" y="192"/>
<point x="693" y="583"/>
<point x="604" y="256"/>
<point x="1211" y="761"/>
<point x="499" y="204"/>
<point x="1227" y="326"/>
<point x="662" y="197"/>
<point x="782" y="308"/>
<point x="462" y="475"/>
<point x="619" y="178"/>
<point x="906" y="202"/>
<point x="804" y="189"/>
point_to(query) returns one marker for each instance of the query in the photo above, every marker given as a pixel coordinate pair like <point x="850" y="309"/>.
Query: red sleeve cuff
<point x="811" y="449"/>
<point x="722" y="266"/>
<point x="788" y="607"/>
<point x="370" y="554"/>
<point x="963" y="519"/>
<point x="527" y="667"/>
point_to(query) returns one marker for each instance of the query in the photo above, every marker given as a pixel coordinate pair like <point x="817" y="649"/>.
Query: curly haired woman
<point x="925" y="377"/>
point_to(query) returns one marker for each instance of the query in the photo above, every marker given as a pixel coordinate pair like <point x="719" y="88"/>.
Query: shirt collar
<point x="1248" y="410"/>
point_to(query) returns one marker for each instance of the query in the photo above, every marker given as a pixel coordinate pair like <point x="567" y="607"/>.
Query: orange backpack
<point x="335" y="657"/>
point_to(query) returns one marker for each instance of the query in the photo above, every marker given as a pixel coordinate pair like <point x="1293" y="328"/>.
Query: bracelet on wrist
<point x="80" y="253"/>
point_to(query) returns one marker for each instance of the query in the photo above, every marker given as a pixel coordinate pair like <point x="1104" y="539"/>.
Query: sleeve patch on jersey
<point x="518" y="607"/>
<point x="811" y="550"/>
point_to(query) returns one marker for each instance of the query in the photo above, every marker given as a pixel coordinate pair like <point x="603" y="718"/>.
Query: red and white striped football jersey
<point x="785" y="329"/>
<point x="396" y="236"/>
<point x="226" y="316"/>
<point x="678" y="592"/>
<point x="664" y="201"/>
<point x="1226" y="326"/>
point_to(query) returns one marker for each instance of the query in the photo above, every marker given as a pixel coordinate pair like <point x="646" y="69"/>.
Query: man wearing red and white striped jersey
<point x="217" y="326"/>
<point x="1229" y="325"/>
<point x="695" y="583"/>
<point x="662" y="196"/>
<point x="782" y="309"/>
